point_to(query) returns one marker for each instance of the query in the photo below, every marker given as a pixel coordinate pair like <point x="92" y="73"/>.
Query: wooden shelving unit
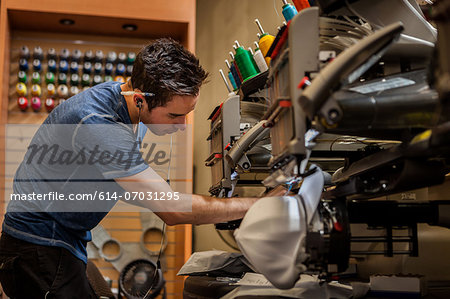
<point x="101" y="21"/>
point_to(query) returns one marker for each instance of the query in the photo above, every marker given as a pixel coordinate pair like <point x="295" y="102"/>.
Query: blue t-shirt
<point x="82" y="146"/>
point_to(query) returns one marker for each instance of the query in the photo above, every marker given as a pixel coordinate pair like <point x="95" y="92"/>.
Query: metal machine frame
<point x="415" y="111"/>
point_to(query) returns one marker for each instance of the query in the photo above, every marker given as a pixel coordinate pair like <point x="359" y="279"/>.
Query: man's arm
<point x="205" y="209"/>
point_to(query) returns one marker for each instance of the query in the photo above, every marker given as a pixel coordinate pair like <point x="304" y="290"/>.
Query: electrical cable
<point x="170" y="160"/>
<point x="340" y="34"/>
<point x="225" y="241"/>
<point x="350" y="8"/>
<point x="276" y="10"/>
<point x="158" y="263"/>
<point x="346" y="138"/>
<point x="163" y="233"/>
<point x="138" y="125"/>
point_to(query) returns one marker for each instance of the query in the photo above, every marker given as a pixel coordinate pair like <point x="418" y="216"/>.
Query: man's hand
<point x="190" y="208"/>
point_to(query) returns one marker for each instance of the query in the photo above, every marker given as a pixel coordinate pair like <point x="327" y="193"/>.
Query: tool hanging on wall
<point x="265" y="41"/>
<point x="259" y="59"/>
<point x="289" y="11"/>
<point x="230" y="75"/>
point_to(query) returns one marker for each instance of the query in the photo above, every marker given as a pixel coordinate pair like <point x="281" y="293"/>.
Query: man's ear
<point x="138" y="100"/>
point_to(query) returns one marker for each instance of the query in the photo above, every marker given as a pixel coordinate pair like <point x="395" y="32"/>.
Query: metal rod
<point x="380" y="239"/>
<point x="225" y="80"/>
<point x="389" y="245"/>
<point x="259" y="26"/>
<point x="227" y="63"/>
<point x="414" y="245"/>
<point x="380" y="252"/>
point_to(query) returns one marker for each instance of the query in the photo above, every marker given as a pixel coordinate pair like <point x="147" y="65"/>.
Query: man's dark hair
<point x="165" y="68"/>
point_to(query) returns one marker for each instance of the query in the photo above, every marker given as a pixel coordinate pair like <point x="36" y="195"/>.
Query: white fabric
<point x="271" y="235"/>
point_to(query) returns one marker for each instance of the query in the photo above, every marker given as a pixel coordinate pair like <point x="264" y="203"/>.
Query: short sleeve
<point x="110" y="146"/>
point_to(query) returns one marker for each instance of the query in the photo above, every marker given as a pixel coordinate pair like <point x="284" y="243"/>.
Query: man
<point x="43" y="243"/>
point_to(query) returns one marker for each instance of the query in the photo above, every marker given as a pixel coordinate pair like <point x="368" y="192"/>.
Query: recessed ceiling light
<point x="129" y="27"/>
<point x="67" y="22"/>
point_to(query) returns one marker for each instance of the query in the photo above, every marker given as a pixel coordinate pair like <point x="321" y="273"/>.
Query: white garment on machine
<point x="271" y="235"/>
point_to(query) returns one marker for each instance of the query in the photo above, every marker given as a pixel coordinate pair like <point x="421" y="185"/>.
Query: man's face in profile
<point x="169" y="118"/>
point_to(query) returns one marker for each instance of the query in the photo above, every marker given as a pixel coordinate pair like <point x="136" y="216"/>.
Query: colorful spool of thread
<point x="289" y="11"/>
<point x="231" y="76"/>
<point x="244" y="62"/>
<point x="259" y="59"/>
<point x="265" y="41"/>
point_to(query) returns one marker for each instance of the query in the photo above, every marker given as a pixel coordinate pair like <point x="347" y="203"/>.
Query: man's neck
<point x="132" y="110"/>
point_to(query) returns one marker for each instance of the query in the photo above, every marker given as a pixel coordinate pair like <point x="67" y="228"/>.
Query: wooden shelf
<point x="110" y="26"/>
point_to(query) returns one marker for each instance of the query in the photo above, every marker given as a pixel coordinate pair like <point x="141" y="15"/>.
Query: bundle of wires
<point x="337" y="34"/>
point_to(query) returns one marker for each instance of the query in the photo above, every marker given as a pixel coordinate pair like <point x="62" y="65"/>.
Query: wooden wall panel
<point x="127" y="228"/>
<point x="158" y="10"/>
